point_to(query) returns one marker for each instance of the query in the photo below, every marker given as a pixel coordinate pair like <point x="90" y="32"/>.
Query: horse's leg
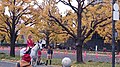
<point x="36" y="60"/>
<point x="32" y="62"/>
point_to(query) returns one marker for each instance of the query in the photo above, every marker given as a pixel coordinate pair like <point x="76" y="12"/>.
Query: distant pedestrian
<point x="39" y="57"/>
<point x="25" y="61"/>
<point x="49" y="55"/>
<point x="104" y="49"/>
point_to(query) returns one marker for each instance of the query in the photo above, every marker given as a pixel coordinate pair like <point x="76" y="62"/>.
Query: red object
<point x="119" y="55"/>
<point x="85" y="54"/>
<point x="110" y="56"/>
<point x="39" y="53"/>
<point x="44" y="51"/>
<point x="30" y="43"/>
<point x="58" y="51"/>
<point x="26" y="57"/>
<point x="2" y="48"/>
<point x="73" y="52"/>
<point x="96" y="55"/>
<point x="54" y="52"/>
<point x="65" y="52"/>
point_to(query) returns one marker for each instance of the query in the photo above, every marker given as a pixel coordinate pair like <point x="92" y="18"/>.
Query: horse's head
<point x="39" y="44"/>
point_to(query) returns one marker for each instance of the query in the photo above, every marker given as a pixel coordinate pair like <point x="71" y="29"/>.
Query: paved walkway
<point x="12" y="64"/>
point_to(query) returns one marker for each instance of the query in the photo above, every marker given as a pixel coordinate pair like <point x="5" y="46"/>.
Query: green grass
<point x="86" y="64"/>
<point x="58" y="62"/>
<point x="94" y="64"/>
<point x="6" y="57"/>
<point x="54" y="61"/>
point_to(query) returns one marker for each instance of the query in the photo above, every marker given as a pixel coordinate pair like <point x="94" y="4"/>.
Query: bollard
<point x="85" y="54"/>
<point x="66" y="62"/>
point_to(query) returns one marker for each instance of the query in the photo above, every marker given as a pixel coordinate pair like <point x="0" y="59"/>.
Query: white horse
<point x="33" y="53"/>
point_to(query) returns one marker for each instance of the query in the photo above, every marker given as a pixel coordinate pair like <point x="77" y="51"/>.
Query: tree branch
<point x="94" y="27"/>
<point x="69" y="4"/>
<point x="89" y="4"/>
<point x="66" y="29"/>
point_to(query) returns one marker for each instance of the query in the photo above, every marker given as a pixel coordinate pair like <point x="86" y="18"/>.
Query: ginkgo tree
<point x="105" y="31"/>
<point x="50" y="31"/>
<point x="14" y="15"/>
<point x="88" y="18"/>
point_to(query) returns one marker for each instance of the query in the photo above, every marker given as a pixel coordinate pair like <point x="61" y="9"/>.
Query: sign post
<point x="115" y="16"/>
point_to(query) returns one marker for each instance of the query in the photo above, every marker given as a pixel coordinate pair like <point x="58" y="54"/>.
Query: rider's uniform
<point x="30" y="43"/>
<point x="25" y="61"/>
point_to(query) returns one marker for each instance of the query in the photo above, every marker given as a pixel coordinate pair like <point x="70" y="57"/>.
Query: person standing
<point x="39" y="57"/>
<point x="49" y="55"/>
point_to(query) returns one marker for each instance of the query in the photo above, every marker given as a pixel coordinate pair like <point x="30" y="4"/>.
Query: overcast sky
<point x="61" y="6"/>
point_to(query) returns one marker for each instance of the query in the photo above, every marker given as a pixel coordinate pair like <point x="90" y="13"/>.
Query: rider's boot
<point x="38" y="62"/>
<point x="50" y="62"/>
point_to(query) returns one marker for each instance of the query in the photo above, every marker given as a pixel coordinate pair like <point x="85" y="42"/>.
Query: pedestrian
<point x="49" y="55"/>
<point x="39" y="57"/>
<point x="25" y="61"/>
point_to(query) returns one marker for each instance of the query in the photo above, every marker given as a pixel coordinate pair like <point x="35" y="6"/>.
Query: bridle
<point x="39" y="44"/>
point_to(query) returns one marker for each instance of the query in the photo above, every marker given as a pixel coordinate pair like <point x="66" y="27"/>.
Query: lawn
<point x="95" y="64"/>
<point x="5" y="57"/>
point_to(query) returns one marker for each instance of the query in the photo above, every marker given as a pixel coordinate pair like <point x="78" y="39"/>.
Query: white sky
<point x="60" y="5"/>
<point x="63" y="7"/>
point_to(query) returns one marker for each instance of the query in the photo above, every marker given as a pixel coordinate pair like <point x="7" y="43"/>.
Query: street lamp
<point x="115" y="16"/>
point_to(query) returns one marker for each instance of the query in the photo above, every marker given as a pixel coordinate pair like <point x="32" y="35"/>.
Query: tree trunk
<point x="13" y="37"/>
<point x="12" y="45"/>
<point x="12" y="49"/>
<point x="47" y="38"/>
<point x="79" y="35"/>
<point x="47" y="41"/>
<point x="79" y="51"/>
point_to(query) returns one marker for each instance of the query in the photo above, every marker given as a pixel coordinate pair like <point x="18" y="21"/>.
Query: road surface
<point x="12" y="64"/>
<point x="72" y="56"/>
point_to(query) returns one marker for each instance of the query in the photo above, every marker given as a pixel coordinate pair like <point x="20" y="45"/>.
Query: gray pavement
<point x="72" y="56"/>
<point x="7" y="64"/>
<point x="12" y="64"/>
<point x="61" y="55"/>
